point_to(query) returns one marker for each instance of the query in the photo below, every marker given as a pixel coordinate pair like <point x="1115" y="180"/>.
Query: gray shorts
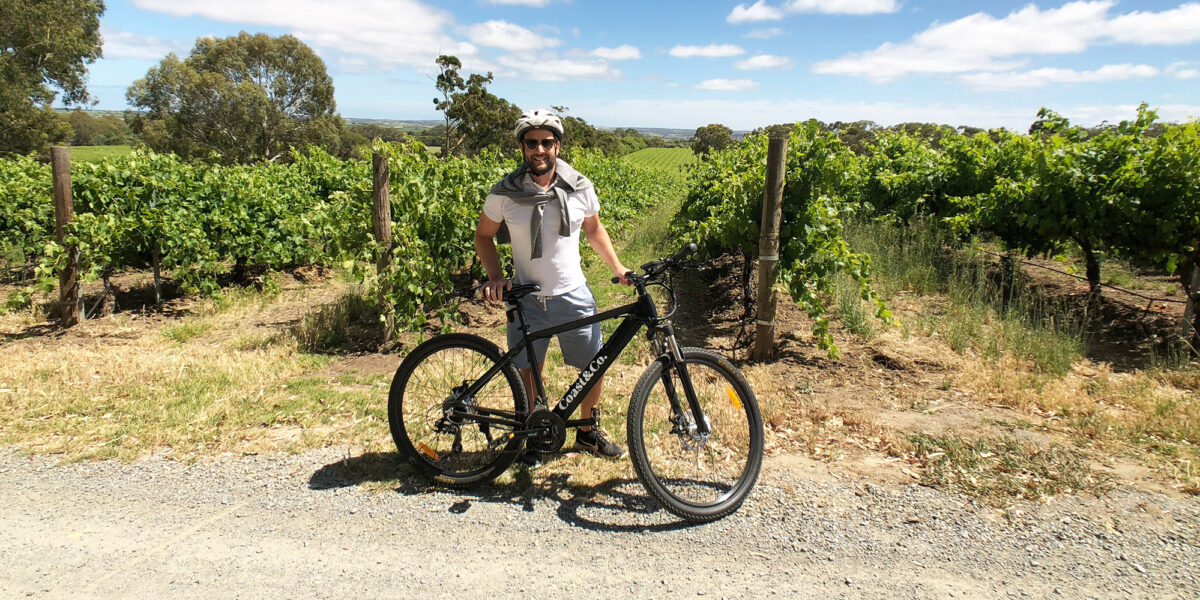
<point x="579" y="346"/>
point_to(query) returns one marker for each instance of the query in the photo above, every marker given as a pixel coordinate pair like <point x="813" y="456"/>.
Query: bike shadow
<point x="615" y="505"/>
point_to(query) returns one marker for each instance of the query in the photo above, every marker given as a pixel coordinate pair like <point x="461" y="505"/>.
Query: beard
<point x="547" y="166"/>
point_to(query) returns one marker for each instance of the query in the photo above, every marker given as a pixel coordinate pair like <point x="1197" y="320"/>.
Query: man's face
<point x="540" y="150"/>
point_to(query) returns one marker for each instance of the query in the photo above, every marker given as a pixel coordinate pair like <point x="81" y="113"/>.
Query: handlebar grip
<point x="685" y="252"/>
<point x="628" y="275"/>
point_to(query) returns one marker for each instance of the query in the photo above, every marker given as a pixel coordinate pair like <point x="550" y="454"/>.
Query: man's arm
<point x="597" y="237"/>
<point x="485" y="247"/>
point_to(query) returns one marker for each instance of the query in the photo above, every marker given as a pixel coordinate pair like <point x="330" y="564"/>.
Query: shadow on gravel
<point x="614" y="505"/>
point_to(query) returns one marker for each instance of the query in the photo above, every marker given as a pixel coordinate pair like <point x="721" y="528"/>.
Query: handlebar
<point x="656" y="267"/>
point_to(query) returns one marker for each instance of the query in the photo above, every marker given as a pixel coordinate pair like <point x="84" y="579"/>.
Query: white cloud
<point x="505" y="35"/>
<point x="398" y="31"/>
<point x="1171" y="27"/>
<point x="977" y="42"/>
<point x="981" y="42"/>
<point x="1041" y="77"/>
<point x="533" y="3"/>
<point x="759" y="11"/>
<point x="843" y="7"/>
<point x="352" y="65"/>
<point x="560" y="69"/>
<point x="123" y="44"/>
<point x="764" y="34"/>
<point x="764" y="61"/>
<point x="623" y="52"/>
<point x="727" y="85"/>
<point x="1182" y="70"/>
<point x="709" y="51"/>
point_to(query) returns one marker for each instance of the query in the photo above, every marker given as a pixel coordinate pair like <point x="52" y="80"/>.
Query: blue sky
<point x="687" y="64"/>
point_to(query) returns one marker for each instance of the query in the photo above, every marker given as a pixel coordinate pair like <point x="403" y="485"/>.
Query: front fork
<point x="663" y="342"/>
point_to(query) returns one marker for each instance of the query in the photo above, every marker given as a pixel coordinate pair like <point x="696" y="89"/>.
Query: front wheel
<point x="699" y="477"/>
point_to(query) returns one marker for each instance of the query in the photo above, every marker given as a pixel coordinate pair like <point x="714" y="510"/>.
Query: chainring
<point x="555" y="431"/>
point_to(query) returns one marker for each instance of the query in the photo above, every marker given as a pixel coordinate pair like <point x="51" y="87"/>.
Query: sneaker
<point x="597" y="442"/>
<point x="530" y="459"/>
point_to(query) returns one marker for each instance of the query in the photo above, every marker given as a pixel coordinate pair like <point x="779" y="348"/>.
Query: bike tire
<point x="421" y="392"/>
<point x="695" y="478"/>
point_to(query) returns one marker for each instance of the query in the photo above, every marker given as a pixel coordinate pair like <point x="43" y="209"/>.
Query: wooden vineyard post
<point x="64" y="211"/>
<point x="383" y="237"/>
<point x="1188" y="331"/>
<point x="768" y="250"/>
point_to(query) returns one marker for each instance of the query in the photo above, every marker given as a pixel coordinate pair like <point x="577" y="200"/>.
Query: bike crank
<point x="544" y="431"/>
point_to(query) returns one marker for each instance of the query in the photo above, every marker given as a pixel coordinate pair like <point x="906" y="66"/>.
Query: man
<point x="543" y="205"/>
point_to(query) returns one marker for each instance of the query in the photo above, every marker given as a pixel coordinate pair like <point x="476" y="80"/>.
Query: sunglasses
<point x="545" y="144"/>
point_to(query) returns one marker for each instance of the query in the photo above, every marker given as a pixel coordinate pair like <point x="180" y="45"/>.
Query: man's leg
<point x="589" y="402"/>
<point x="595" y="440"/>
<point x="531" y="458"/>
<point x="527" y="377"/>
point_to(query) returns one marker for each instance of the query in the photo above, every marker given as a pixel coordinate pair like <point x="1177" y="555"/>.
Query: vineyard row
<point x="199" y="221"/>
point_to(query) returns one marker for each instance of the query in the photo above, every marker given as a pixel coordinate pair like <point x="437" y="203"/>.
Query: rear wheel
<point x="696" y="476"/>
<point x="437" y="426"/>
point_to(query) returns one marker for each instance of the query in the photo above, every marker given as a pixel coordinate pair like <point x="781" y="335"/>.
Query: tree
<point x="102" y="130"/>
<point x="448" y="83"/>
<point x="247" y="97"/>
<point x="475" y="118"/>
<point x="857" y="135"/>
<point x="712" y="137"/>
<point x="44" y="45"/>
<point x="580" y="134"/>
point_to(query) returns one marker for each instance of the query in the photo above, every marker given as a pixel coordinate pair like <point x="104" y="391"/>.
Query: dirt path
<point x="288" y="526"/>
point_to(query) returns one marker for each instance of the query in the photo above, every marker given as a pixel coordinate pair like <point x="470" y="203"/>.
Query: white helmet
<point x="539" y="118"/>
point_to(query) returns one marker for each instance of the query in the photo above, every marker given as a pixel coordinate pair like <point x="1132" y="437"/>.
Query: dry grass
<point x="1149" y="413"/>
<point x="998" y="470"/>
<point x="128" y="385"/>
<point x="1025" y="352"/>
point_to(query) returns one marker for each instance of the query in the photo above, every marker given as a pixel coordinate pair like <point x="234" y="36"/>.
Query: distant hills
<point x="420" y="125"/>
<point x="400" y="124"/>
<point x="410" y="125"/>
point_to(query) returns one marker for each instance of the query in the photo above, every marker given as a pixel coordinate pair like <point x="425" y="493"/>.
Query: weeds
<point x="186" y="331"/>
<point x="346" y="322"/>
<point x="991" y="310"/>
<point x="856" y="315"/>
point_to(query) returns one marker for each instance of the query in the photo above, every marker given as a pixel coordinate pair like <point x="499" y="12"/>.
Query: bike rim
<point x="696" y="471"/>
<point x="455" y="446"/>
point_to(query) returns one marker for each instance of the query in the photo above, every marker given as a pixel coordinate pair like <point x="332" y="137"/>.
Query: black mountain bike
<point x="459" y="412"/>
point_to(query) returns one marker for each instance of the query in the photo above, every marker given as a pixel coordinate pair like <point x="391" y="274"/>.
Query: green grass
<point x="97" y="153"/>
<point x="187" y="330"/>
<point x="996" y="317"/>
<point x="674" y="159"/>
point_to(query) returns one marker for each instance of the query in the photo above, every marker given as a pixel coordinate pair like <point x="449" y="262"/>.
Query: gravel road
<point x="299" y="526"/>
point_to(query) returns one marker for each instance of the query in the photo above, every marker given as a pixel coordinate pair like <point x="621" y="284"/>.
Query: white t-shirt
<point x="558" y="271"/>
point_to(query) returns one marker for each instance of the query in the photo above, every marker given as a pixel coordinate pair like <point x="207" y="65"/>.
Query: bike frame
<point x="642" y="312"/>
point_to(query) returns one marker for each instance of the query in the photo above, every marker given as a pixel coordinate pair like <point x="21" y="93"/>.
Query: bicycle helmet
<point x="539" y="119"/>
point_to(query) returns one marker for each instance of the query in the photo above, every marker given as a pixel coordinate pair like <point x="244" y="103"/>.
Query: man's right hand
<point x="493" y="291"/>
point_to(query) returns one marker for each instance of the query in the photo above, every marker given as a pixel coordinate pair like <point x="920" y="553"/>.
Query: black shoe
<point x="597" y="442"/>
<point x="530" y="459"/>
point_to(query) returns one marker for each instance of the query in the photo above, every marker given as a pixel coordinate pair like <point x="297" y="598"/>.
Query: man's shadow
<point x="580" y="505"/>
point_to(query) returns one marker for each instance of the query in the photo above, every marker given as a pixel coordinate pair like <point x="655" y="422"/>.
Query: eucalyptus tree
<point x="45" y="47"/>
<point x="246" y="98"/>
